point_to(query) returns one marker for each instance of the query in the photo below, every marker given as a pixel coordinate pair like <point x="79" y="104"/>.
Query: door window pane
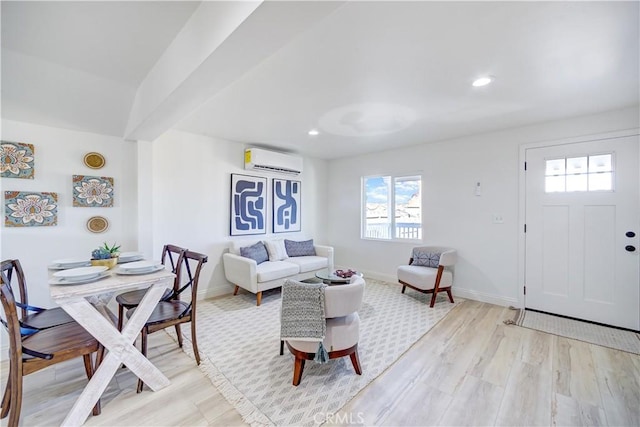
<point x="601" y="163"/>
<point x="576" y="165"/>
<point x="601" y="181"/>
<point x="585" y="173"/>
<point x="577" y="182"/>
<point x="555" y="167"/>
<point x="554" y="184"/>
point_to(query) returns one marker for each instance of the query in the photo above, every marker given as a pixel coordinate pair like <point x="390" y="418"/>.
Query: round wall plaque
<point x="94" y="160"/>
<point x="97" y="224"/>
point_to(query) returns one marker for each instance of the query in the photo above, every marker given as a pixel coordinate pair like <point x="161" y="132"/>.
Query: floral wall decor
<point x="286" y="205"/>
<point x="29" y="209"/>
<point x="248" y="205"/>
<point x="16" y="160"/>
<point x="92" y="191"/>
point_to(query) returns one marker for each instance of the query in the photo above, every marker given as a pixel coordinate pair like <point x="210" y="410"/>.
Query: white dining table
<point x="86" y="303"/>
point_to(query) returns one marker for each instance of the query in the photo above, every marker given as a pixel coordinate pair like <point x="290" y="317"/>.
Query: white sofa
<point x="247" y="274"/>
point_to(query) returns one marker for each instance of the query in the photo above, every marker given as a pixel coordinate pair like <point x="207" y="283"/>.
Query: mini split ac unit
<point x="272" y="161"/>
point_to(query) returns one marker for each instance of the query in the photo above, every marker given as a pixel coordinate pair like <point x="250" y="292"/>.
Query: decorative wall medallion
<point x="30" y="209"/>
<point x="286" y="205"/>
<point x="16" y="160"/>
<point x="97" y="224"/>
<point x="94" y="160"/>
<point x="248" y="205"/>
<point x="92" y="191"/>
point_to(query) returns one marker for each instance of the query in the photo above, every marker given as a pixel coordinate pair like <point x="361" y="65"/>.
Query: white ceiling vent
<point x="272" y="161"/>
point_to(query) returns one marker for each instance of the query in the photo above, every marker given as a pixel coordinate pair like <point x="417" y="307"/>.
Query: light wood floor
<point x="470" y="369"/>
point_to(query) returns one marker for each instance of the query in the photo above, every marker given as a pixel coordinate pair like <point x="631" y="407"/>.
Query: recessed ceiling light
<point x="314" y="132"/>
<point x="482" y="81"/>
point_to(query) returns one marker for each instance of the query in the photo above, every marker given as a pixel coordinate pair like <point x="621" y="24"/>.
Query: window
<point x="400" y="195"/>
<point x="586" y="173"/>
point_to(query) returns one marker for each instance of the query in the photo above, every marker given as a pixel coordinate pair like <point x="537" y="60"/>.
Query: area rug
<point x="239" y="346"/>
<point x="605" y="336"/>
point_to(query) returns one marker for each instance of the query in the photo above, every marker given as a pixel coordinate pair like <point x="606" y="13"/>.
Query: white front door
<point x="582" y="226"/>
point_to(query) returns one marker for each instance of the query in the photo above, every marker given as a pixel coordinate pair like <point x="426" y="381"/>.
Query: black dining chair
<point x="172" y="311"/>
<point x="171" y="255"/>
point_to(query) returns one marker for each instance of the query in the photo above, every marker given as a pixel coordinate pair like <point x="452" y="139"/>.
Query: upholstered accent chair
<point x="430" y="271"/>
<point x="342" y="303"/>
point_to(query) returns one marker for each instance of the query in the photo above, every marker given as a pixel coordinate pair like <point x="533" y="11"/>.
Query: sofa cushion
<point x="309" y="263"/>
<point x="276" y="250"/>
<point x="272" y="270"/>
<point x="304" y="248"/>
<point x="256" y="252"/>
<point x="425" y="259"/>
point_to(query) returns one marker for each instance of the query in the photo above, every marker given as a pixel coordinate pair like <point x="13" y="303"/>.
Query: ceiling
<point x="368" y="76"/>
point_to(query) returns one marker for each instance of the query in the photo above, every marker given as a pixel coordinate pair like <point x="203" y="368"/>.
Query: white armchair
<point x="430" y="271"/>
<point x="342" y="303"/>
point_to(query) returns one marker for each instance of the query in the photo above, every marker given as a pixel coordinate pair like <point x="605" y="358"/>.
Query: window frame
<point x="391" y="207"/>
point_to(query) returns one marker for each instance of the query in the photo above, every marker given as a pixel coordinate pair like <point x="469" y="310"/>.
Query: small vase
<point x="109" y="263"/>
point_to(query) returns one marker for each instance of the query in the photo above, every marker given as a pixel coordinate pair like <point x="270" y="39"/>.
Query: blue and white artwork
<point x="248" y="205"/>
<point x="286" y="205"/>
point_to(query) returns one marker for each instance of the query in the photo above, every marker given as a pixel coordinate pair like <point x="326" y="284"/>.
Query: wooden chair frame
<point x="433" y="291"/>
<point x="131" y="299"/>
<point x="301" y="357"/>
<point x="159" y="320"/>
<point x="42" y="349"/>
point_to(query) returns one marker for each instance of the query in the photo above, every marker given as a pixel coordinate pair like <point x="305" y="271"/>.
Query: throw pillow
<point x="276" y="250"/>
<point x="256" y="252"/>
<point x="426" y="259"/>
<point x="304" y="248"/>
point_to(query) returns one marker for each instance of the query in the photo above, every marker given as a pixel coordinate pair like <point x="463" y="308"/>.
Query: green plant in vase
<point x="105" y="255"/>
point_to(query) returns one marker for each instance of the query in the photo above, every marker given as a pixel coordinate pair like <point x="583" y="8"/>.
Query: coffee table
<point x="329" y="278"/>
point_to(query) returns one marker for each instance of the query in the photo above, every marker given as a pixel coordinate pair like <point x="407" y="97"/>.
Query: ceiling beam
<point x="218" y="44"/>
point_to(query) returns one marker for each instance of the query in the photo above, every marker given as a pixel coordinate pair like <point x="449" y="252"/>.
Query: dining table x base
<point x="119" y="345"/>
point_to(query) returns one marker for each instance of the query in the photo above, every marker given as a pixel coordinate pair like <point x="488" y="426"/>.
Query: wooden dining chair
<point x="32" y="318"/>
<point x="172" y="311"/>
<point x="171" y="255"/>
<point x="39" y="350"/>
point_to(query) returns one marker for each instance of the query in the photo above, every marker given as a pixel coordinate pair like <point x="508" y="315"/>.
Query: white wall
<point x="190" y="190"/>
<point x="59" y="154"/>
<point x="452" y="214"/>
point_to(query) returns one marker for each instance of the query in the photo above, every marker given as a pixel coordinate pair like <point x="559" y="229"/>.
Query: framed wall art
<point x="248" y="205"/>
<point x="92" y="191"/>
<point x="16" y="160"/>
<point x="30" y="209"/>
<point x="286" y="205"/>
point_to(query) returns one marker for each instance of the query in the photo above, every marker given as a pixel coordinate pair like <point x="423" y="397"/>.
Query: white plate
<point x="63" y="281"/>
<point x="70" y="263"/>
<point x="82" y="273"/>
<point x="153" y="269"/>
<point x="130" y="256"/>
<point x="139" y="265"/>
<point x="65" y="267"/>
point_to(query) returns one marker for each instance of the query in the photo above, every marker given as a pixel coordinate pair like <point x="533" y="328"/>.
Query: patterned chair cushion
<point x="304" y="248"/>
<point x="423" y="258"/>
<point x="256" y="252"/>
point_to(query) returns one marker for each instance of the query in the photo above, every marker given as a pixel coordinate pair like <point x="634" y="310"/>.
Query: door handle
<point x="630" y="248"/>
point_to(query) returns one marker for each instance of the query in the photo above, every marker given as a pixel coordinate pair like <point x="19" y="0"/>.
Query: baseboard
<point x="215" y="291"/>
<point x="462" y="293"/>
<point x="483" y="297"/>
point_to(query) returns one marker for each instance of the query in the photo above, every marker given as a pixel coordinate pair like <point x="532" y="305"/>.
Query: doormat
<point x="605" y="336"/>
